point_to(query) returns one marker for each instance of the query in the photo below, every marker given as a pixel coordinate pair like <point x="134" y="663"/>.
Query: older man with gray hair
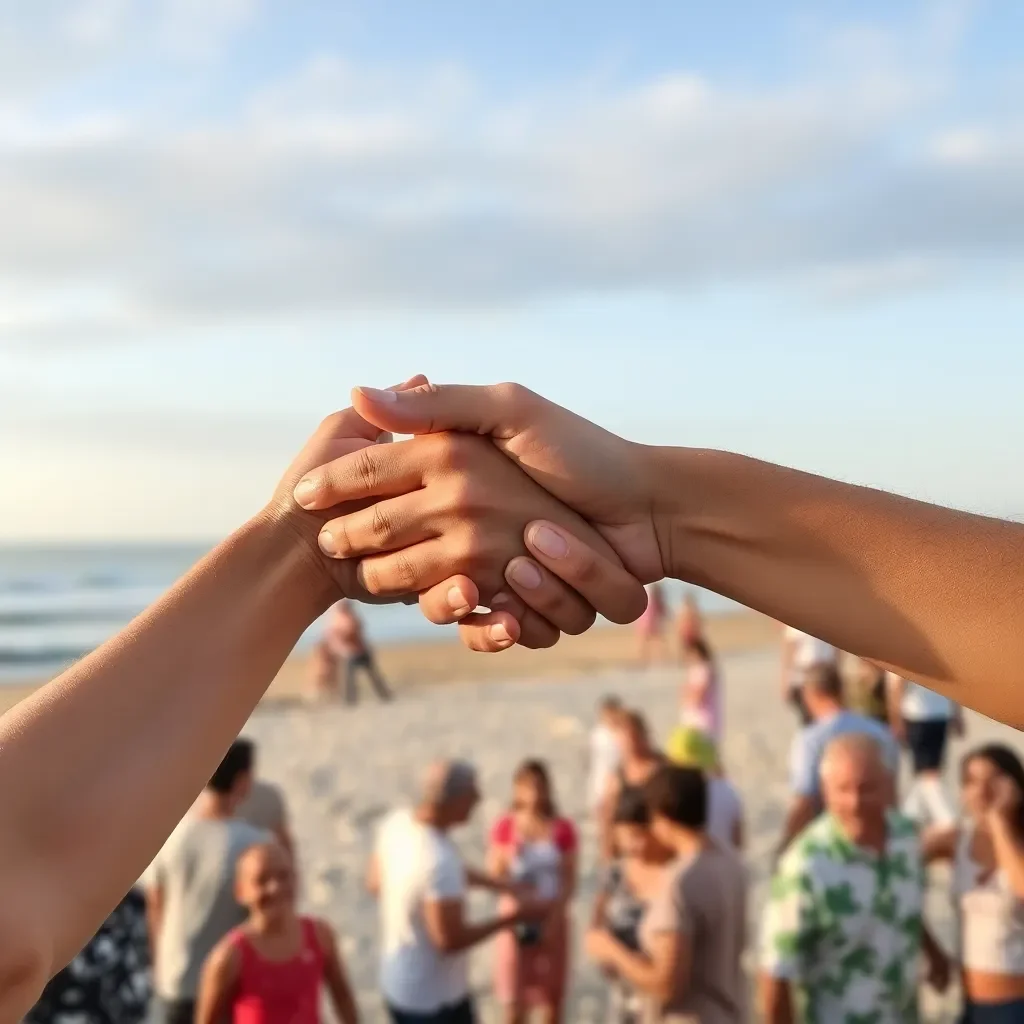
<point x="421" y="881"/>
<point x="843" y="933"/>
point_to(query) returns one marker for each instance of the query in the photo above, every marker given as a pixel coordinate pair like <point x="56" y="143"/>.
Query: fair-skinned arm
<point x="450" y="932"/>
<point x="776" y="999"/>
<point x="895" y="687"/>
<point x="218" y="984"/>
<point x="339" y="989"/>
<point x="929" y="592"/>
<point x="1004" y="826"/>
<point x="660" y="973"/>
<point x="154" y="917"/>
<point x="802" y="811"/>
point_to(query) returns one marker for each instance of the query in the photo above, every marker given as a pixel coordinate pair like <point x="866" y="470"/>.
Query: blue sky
<point x="794" y="230"/>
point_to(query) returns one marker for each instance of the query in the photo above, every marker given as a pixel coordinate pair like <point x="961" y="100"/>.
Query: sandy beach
<point x="342" y="769"/>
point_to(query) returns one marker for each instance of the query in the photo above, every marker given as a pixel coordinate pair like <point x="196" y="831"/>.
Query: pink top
<point x="279" y="992"/>
<point x="702" y="700"/>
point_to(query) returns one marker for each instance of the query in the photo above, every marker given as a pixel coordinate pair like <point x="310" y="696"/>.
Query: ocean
<point x="59" y="602"/>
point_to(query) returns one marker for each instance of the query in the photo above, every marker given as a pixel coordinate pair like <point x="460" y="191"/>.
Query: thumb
<point x="499" y="410"/>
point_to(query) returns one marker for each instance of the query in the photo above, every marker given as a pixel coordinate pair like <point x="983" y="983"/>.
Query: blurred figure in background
<point x="534" y="846"/>
<point x="347" y="642"/>
<point x="108" y="982"/>
<point x="842" y="935"/>
<point x="264" y="808"/>
<point x="690" y="748"/>
<point x="823" y="697"/>
<point x="922" y="720"/>
<point x="639" y="761"/>
<point x="605" y="754"/>
<point x="190" y="899"/>
<point x="689" y="622"/>
<point x="701" y="695"/>
<point x="693" y="930"/>
<point x="650" y="627"/>
<point x="323" y="672"/>
<point x="986" y="852"/>
<point x="799" y="652"/>
<point x="630" y="883"/>
<point x="271" y="969"/>
<point x="871" y="691"/>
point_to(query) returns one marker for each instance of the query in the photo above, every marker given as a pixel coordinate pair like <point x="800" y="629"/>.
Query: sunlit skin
<point x="856" y="789"/>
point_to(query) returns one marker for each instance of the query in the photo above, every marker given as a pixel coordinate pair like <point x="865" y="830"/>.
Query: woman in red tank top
<point x="270" y="970"/>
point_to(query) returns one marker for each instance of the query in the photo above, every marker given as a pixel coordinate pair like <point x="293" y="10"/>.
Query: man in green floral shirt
<point x="842" y="933"/>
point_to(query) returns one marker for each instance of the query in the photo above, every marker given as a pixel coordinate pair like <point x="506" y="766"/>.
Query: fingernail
<point x="499" y="634"/>
<point x="376" y="395"/>
<point x="457" y="602"/>
<point x="499" y="599"/>
<point x="326" y="542"/>
<point x="549" y="542"/>
<point x="526" y="574"/>
<point x="304" y="493"/>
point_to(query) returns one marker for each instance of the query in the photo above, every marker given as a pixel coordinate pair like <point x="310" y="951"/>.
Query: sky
<point x="794" y="230"/>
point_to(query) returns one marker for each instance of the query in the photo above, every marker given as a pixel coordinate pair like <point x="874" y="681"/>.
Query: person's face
<point x="637" y="842"/>
<point x="978" y="786"/>
<point x="630" y="741"/>
<point x="463" y="806"/>
<point x="856" y="791"/>
<point x="527" y="796"/>
<point x="242" y="787"/>
<point x="266" y="881"/>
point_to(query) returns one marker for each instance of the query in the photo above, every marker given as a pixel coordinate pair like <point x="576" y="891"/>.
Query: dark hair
<point x="631" y="808"/>
<point x="536" y="771"/>
<point x="823" y="677"/>
<point x="698" y="645"/>
<point x="1005" y="761"/>
<point x="679" y="794"/>
<point x="237" y="761"/>
<point x="633" y="721"/>
<point x="610" y="703"/>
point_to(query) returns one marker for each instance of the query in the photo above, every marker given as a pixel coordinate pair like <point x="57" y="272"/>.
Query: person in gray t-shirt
<point x="190" y="896"/>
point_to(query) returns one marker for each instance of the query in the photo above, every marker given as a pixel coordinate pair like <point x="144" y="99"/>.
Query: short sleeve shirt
<point x="843" y="925"/>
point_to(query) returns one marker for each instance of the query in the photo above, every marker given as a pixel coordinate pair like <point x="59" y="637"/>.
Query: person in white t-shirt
<point x="922" y="720"/>
<point x="605" y="754"/>
<point x="799" y="652"/>
<point x="421" y="881"/>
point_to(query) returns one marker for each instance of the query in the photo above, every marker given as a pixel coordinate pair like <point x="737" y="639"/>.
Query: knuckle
<point x="332" y="423"/>
<point x="381" y="523"/>
<point x="581" y="621"/>
<point x="366" y="469"/>
<point x="404" y="572"/>
<point x="512" y="395"/>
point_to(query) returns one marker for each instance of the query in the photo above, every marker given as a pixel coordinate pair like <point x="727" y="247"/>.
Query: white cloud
<point x="341" y="186"/>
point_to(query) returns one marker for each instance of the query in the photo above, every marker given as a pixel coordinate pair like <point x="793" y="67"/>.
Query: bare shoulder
<point x="324" y="934"/>
<point x="226" y="958"/>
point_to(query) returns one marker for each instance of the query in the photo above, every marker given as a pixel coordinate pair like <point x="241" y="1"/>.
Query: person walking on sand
<point x="700" y="703"/>
<point x="986" y="852"/>
<point x="693" y="930"/>
<point x="650" y="627"/>
<point x="922" y="720"/>
<point x="347" y="642"/>
<point x="639" y="760"/>
<point x="823" y="694"/>
<point x="190" y="896"/>
<point x="799" y="652"/>
<point x="535" y="846"/>
<point x="689" y="622"/>
<point x="271" y="969"/>
<point x="418" y="875"/>
<point x="843" y="936"/>
<point x="605" y="754"/>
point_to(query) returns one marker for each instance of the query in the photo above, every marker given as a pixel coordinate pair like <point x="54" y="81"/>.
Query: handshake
<point x="501" y="500"/>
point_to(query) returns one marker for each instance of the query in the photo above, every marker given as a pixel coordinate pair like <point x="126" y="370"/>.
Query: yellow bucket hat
<point x="691" y="748"/>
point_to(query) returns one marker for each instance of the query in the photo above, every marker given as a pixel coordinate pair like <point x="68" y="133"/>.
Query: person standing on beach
<point x="689" y="622"/>
<point x="692" y="933"/>
<point x="843" y="936"/>
<point x="419" y="877"/>
<point x="264" y="808"/>
<point x="922" y="720"/>
<point x="639" y="760"/>
<point x="799" y="652"/>
<point x="605" y="754"/>
<point x="190" y="898"/>
<point x="271" y="969"/>
<point x="650" y="627"/>
<point x="700" y="704"/>
<point x="535" y="846"/>
<point x="823" y="695"/>
<point x="347" y="642"/>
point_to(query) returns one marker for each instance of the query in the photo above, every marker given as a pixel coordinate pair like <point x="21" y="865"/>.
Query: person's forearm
<point x="1009" y="851"/>
<point x="931" y="593"/>
<point x="147" y="717"/>
<point x="802" y="812"/>
<point x="776" y="1001"/>
<point x="473" y="934"/>
<point x="481" y="880"/>
<point x="638" y="970"/>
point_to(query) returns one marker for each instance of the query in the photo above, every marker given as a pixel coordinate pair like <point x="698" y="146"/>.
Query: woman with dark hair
<point x="689" y="623"/>
<point x="986" y="851"/>
<point x="630" y="883"/>
<point x="650" y="627"/>
<point x="701" y="696"/>
<point x="687" y="966"/>
<point x="536" y="847"/>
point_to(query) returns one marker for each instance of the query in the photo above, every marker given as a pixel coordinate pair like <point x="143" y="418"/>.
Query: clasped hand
<point x="501" y="499"/>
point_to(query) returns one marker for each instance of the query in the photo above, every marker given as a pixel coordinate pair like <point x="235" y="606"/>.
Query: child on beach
<point x="271" y="969"/>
